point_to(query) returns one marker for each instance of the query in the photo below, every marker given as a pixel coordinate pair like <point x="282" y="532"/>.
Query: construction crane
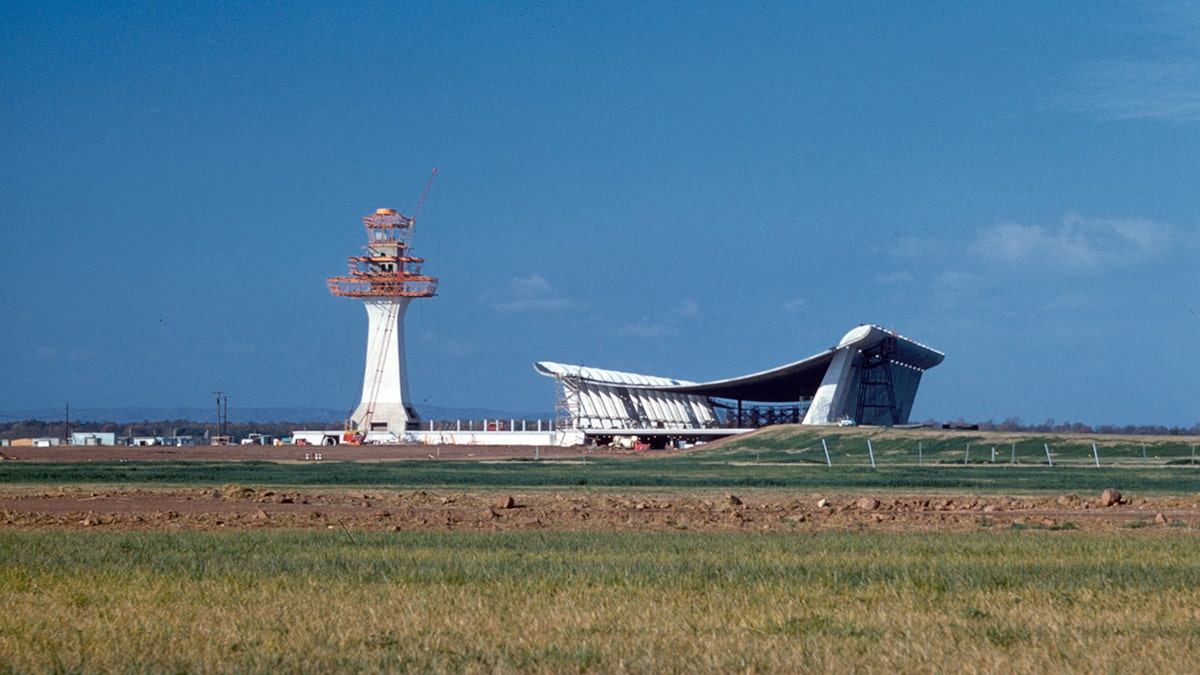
<point x="424" y="194"/>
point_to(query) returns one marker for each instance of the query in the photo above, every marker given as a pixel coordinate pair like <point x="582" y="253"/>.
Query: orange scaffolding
<point x="387" y="270"/>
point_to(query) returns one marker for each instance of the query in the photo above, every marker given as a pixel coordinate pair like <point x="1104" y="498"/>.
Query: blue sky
<point x="695" y="190"/>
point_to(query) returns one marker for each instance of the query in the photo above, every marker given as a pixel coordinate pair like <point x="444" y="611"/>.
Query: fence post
<point x="1047" y="446"/>
<point x="920" y="454"/>
<point x="993" y="454"/>
<point x="823" y="445"/>
<point x="1143" y="456"/>
<point x="871" y="452"/>
<point x="967" y="456"/>
<point x="1096" y="454"/>
<point x="1014" y="455"/>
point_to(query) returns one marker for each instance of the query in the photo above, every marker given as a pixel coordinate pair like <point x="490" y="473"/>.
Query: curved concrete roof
<point x="601" y="376"/>
<point x="792" y="382"/>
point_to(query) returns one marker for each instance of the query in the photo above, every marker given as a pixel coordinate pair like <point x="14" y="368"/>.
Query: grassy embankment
<point x="783" y="457"/>
<point x="296" y="601"/>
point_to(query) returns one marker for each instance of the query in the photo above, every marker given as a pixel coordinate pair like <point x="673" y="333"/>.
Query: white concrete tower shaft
<point x="387" y="278"/>
<point x="385" y="401"/>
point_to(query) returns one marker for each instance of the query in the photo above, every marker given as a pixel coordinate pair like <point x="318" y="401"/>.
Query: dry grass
<point x="538" y="602"/>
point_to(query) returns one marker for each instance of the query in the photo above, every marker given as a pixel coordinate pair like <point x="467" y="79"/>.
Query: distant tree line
<point x="58" y="429"/>
<point x="163" y="428"/>
<point x="1052" y="427"/>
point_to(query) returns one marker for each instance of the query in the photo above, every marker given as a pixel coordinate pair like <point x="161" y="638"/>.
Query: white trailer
<point x="352" y="437"/>
<point x="317" y="437"/>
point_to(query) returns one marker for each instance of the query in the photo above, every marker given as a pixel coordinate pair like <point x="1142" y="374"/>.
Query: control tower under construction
<point x="386" y="278"/>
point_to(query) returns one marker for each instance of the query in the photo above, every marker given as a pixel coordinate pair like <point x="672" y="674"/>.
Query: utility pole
<point x="222" y="437"/>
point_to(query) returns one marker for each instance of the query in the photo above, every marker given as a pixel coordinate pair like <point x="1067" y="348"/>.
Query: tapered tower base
<point x="384" y="405"/>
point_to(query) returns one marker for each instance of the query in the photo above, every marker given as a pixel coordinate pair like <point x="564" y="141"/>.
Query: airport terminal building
<point x="869" y="378"/>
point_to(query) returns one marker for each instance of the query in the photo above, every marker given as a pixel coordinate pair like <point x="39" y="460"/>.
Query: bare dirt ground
<point x="238" y="507"/>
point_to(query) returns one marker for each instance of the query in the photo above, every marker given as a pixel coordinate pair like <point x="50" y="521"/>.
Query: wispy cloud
<point x="644" y="329"/>
<point x="894" y="278"/>
<point x="666" y="322"/>
<point x="956" y="279"/>
<point x="1135" y="89"/>
<point x="1071" y="302"/>
<point x="689" y="308"/>
<point x="916" y="247"/>
<point x="1077" y="244"/>
<point x="794" y="305"/>
<point x="1161" y="83"/>
<point x="449" y="345"/>
<point x="530" y="294"/>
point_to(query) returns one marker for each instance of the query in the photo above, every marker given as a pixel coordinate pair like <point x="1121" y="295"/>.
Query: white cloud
<point x="794" y="305"/>
<point x="1077" y="244"/>
<point x="532" y="294"/>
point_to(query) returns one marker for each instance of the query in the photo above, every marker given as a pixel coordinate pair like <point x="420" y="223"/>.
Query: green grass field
<point x="1032" y="601"/>
<point x="784" y="457"/>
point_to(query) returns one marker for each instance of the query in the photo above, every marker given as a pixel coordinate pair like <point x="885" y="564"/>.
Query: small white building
<point x="45" y="442"/>
<point x="178" y="441"/>
<point x="93" y="438"/>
